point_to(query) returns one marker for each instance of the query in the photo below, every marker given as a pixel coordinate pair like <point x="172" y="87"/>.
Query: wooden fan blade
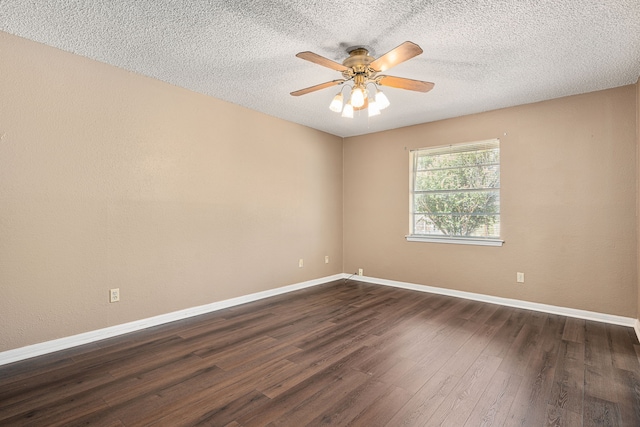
<point x="402" y="83"/>
<point x="405" y="51"/>
<point x="317" y="87"/>
<point x="321" y="60"/>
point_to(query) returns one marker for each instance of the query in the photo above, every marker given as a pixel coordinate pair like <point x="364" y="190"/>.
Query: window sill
<point x="455" y="240"/>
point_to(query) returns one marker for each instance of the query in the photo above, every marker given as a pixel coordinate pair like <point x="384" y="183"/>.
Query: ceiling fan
<point x="361" y="69"/>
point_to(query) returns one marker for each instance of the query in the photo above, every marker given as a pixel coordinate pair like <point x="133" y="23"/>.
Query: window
<point x="455" y="194"/>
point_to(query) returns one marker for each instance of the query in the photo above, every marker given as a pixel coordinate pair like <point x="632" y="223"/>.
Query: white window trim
<point x="455" y="240"/>
<point x="478" y="241"/>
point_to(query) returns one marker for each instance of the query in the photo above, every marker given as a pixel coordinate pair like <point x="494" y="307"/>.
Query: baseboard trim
<point x="46" y="347"/>
<point x="545" y="308"/>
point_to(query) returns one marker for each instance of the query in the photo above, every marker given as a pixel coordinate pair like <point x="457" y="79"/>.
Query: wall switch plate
<point x="114" y="295"/>
<point x="520" y="277"/>
<point x="326" y="259"/>
<point x="360" y="272"/>
<point x="300" y="263"/>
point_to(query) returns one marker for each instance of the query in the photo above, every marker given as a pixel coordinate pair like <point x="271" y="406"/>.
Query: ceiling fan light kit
<point x="357" y="96"/>
<point x="347" y="111"/>
<point x="360" y="69"/>
<point x="373" y="109"/>
<point x="336" y="103"/>
<point x="382" y="100"/>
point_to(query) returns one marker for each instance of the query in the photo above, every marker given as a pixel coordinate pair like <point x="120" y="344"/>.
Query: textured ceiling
<point x="481" y="55"/>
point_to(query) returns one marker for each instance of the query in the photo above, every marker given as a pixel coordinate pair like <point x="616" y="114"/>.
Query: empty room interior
<point x="189" y="235"/>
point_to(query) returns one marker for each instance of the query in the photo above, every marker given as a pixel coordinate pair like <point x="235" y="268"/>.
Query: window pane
<point x="458" y="178"/>
<point x="445" y="160"/>
<point x="467" y="202"/>
<point x="488" y="226"/>
<point x="456" y="190"/>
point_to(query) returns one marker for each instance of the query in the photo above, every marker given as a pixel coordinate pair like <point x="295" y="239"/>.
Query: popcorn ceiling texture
<point x="482" y="55"/>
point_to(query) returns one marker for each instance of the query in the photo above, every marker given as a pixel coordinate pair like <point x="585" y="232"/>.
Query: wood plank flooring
<point x="345" y="354"/>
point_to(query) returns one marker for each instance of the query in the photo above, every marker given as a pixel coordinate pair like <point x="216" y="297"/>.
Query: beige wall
<point x="568" y="205"/>
<point x="638" y="187"/>
<point x="109" y="179"/>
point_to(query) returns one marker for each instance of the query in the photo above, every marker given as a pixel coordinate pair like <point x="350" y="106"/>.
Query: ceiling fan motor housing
<point x="358" y="64"/>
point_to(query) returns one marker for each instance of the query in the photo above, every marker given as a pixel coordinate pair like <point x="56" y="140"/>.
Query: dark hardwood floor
<point x="340" y="354"/>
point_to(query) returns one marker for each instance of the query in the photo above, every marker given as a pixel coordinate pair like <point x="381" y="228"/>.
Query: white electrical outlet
<point x="326" y="259"/>
<point x="300" y="263"/>
<point x="360" y="272"/>
<point x="114" y="295"/>
<point x="520" y="277"/>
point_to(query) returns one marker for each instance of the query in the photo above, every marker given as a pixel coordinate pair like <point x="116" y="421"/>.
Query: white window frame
<point x="482" y="241"/>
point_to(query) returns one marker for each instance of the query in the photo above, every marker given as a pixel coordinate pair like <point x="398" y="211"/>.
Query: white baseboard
<point x="545" y="308"/>
<point x="46" y="347"/>
<point x="39" y="349"/>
